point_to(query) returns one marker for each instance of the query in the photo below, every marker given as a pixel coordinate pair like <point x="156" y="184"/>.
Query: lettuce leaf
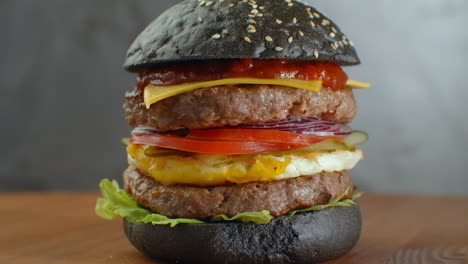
<point x="332" y="203"/>
<point x="115" y="203"/>
<point x="262" y="217"/>
<point x="157" y="219"/>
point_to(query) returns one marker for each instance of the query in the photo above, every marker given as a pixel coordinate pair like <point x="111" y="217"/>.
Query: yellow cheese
<point x="153" y="94"/>
<point x="357" y="84"/>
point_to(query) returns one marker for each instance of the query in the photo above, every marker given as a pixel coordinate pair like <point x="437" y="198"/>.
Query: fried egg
<point x="200" y="169"/>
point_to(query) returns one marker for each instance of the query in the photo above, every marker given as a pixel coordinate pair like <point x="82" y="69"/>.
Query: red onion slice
<point x="304" y="126"/>
<point x="154" y="131"/>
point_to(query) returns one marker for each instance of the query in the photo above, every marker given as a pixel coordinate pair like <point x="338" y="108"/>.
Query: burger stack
<point x="240" y="148"/>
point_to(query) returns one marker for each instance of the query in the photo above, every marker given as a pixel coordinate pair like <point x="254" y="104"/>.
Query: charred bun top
<point x="236" y="29"/>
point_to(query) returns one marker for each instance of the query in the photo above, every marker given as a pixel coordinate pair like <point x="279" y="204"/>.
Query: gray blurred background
<point x="62" y="87"/>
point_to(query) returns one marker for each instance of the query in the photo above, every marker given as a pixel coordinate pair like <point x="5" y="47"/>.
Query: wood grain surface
<point x="62" y="228"/>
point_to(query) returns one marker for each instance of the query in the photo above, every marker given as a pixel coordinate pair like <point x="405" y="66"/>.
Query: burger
<point x="240" y="148"/>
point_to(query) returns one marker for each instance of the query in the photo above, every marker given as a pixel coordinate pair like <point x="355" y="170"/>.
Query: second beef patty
<point x="279" y="197"/>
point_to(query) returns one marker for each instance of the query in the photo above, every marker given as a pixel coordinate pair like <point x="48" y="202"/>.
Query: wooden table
<point x="62" y="228"/>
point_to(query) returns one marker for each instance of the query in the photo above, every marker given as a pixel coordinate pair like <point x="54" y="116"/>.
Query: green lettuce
<point x="262" y="217"/>
<point x="115" y="203"/>
<point x="332" y="203"/>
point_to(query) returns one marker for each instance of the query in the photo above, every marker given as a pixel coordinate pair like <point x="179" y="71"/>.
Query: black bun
<point x="303" y="238"/>
<point x="234" y="29"/>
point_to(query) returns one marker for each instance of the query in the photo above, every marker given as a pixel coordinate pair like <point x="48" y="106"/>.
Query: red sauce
<point x="330" y="73"/>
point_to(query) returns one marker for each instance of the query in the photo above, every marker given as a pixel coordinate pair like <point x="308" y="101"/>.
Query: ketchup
<point x="330" y="74"/>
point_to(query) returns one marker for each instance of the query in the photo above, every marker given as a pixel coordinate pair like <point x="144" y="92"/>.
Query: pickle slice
<point x="125" y="141"/>
<point x="355" y="138"/>
<point x="155" y="152"/>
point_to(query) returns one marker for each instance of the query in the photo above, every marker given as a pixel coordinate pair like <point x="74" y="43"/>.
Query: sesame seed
<point x="248" y="39"/>
<point x="290" y="4"/>
<point x="290" y="39"/>
<point x="216" y="36"/>
<point x="260" y="14"/>
<point x="208" y="3"/>
<point x="254" y="11"/>
<point x="225" y="31"/>
<point x="340" y="43"/>
<point x="316" y="54"/>
<point x="268" y="38"/>
<point x="279" y="48"/>
<point x="333" y="46"/>
<point x="351" y="43"/>
<point x="345" y="41"/>
<point x="279" y="21"/>
<point x="332" y="34"/>
<point x="253" y="5"/>
<point x="288" y="1"/>
<point x="261" y="7"/>
<point x="245" y="1"/>
<point x="334" y="30"/>
<point x="252" y="21"/>
<point x="199" y="19"/>
<point x="325" y="22"/>
<point x="202" y="3"/>
<point x="221" y="1"/>
<point x="295" y="20"/>
<point x="251" y="29"/>
<point x="231" y="4"/>
<point x="251" y="15"/>
<point x="301" y="33"/>
<point x="308" y="9"/>
<point x="316" y="15"/>
<point x="312" y="23"/>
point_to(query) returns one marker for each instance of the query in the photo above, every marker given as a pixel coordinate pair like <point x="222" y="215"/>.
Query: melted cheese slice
<point x="357" y="84"/>
<point x="153" y="94"/>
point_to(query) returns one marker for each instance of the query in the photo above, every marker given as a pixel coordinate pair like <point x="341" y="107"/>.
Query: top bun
<point x="239" y="29"/>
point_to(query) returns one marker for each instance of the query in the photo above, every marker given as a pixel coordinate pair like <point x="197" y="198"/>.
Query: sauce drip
<point x="330" y="74"/>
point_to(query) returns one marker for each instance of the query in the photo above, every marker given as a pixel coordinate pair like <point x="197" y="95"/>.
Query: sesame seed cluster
<point x="229" y="29"/>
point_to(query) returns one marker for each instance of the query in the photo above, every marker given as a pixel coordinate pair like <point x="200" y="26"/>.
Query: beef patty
<point x="279" y="197"/>
<point x="238" y="104"/>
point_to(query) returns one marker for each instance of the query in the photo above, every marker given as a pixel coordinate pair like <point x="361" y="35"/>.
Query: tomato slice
<point x="213" y="147"/>
<point x="256" y="135"/>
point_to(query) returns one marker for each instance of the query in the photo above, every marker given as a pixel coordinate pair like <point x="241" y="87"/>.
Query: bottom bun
<point x="304" y="238"/>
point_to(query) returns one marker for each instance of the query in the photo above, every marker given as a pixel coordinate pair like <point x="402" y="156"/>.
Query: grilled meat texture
<point x="279" y="197"/>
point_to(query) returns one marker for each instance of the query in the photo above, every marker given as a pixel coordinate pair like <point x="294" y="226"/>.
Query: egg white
<point x="323" y="162"/>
